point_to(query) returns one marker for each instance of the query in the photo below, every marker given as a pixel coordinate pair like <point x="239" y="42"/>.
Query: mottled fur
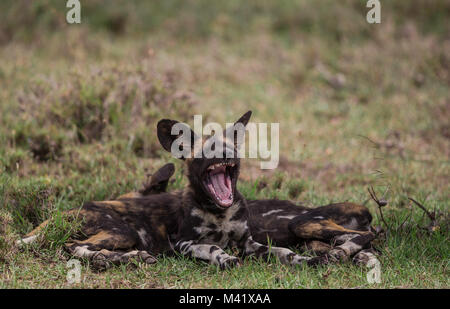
<point x="337" y="231"/>
<point x="191" y="222"/>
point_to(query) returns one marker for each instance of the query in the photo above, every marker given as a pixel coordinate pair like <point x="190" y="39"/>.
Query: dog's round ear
<point x="164" y="173"/>
<point x="164" y="131"/>
<point x="245" y="118"/>
<point x="176" y="137"/>
<point x="237" y="131"/>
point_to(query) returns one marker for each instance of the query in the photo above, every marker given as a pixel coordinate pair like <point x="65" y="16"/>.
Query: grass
<point x="358" y="105"/>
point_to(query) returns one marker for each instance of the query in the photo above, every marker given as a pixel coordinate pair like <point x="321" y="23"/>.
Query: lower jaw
<point x="224" y="206"/>
<point x="221" y="204"/>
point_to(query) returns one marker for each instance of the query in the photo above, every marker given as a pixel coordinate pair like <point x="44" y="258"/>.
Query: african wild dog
<point x="200" y="221"/>
<point x="337" y="231"/>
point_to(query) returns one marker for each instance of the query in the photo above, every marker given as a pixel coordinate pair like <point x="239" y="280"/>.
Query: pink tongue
<point x="220" y="186"/>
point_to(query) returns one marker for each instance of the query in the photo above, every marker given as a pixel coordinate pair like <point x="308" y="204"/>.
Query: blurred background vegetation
<point x="203" y="19"/>
<point x="358" y="104"/>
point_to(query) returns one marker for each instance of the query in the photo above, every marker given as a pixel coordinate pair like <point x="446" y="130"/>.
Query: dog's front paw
<point x="338" y="255"/>
<point x="230" y="262"/>
<point x="145" y="257"/>
<point x="365" y="257"/>
<point x="100" y="262"/>
<point x="318" y="260"/>
<point x="295" y="259"/>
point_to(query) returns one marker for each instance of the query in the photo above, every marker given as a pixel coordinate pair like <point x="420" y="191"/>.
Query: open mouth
<point x="218" y="182"/>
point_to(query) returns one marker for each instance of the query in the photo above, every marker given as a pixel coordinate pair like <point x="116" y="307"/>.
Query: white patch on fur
<point x="83" y="251"/>
<point x="142" y="234"/>
<point x="26" y="240"/>
<point x="281" y="253"/>
<point x="271" y="212"/>
<point x="365" y="257"/>
<point x="352" y="225"/>
<point x="348" y="246"/>
<point x="131" y="253"/>
<point x="202" y="251"/>
<point x="286" y="217"/>
<point x="224" y="225"/>
<point x="202" y="229"/>
<point x="186" y="246"/>
<point x="344" y="238"/>
<point x="298" y="259"/>
<point x="319" y="217"/>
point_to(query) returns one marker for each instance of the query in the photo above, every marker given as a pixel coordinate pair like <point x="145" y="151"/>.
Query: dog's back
<point x="269" y="220"/>
<point x="152" y="220"/>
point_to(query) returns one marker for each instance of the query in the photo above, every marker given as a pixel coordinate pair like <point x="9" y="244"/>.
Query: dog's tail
<point x="159" y="180"/>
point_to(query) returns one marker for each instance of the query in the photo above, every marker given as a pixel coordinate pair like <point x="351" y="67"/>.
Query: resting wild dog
<point x="286" y="224"/>
<point x="339" y="231"/>
<point x="207" y="216"/>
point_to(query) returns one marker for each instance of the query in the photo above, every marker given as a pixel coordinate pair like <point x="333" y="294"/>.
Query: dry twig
<point x="380" y="202"/>
<point x="431" y="215"/>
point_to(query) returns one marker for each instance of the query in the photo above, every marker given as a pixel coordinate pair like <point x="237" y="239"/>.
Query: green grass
<point x="358" y="105"/>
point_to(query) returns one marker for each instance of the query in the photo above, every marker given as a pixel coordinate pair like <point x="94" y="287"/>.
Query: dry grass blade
<point x="431" y="215"/>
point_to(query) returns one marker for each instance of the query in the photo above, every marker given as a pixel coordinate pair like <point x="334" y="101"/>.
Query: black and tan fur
<point x="338" y="231"/>
<point x="190" y="222"/>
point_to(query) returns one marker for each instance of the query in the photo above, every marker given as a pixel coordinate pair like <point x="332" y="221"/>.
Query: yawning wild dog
<point x="200" y="221"/>
<point x="338" y="231"/>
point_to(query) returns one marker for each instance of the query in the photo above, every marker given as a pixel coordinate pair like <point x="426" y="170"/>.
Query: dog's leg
<point x="285" y="255"/>
<point x="103" y="259"/>
<point x="101" y="249"/>
<point x="211" y="253"/>
<point x="350" y="244"/>
<point x="317" y="247"/>
<point x="365" y="257"/>
<point x="350" y="241"/>
<point x="32" y="236"/>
